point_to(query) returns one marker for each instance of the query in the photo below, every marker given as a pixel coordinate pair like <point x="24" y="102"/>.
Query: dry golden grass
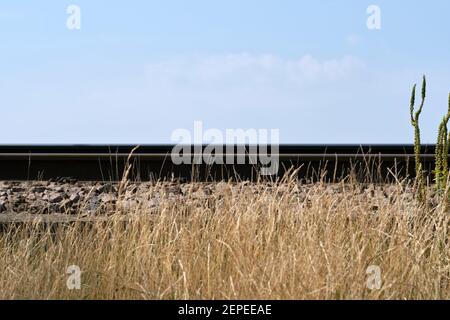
<point x="240" y="241"/>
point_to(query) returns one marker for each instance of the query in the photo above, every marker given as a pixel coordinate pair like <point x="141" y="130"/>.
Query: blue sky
<point x="138" y="70"/>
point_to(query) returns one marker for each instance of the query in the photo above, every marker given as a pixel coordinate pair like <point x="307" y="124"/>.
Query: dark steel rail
<point x="153" y="162"/>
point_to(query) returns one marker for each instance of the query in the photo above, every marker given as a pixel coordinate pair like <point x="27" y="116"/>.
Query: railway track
<point x="105" y="164"/>
<point x="153" y="162"/>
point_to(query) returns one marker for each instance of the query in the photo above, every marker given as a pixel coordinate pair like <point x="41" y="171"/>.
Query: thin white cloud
<point x="247" y="69"/>
<point x="10" y="15"/>
<point x="353" y="39"/>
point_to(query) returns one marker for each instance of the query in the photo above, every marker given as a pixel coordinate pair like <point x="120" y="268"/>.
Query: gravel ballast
<point x="74" y="197"/>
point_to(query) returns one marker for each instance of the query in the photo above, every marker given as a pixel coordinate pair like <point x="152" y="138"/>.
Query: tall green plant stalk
<point x="415" y="116"/>
<point x="447" y="143"/>
<point x="438" y="158"/>
<point x="442" y="148"/>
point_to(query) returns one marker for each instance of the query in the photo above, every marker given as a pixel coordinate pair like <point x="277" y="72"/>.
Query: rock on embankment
<point x="74" y="197"/>
<point x="59" y="197"/>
